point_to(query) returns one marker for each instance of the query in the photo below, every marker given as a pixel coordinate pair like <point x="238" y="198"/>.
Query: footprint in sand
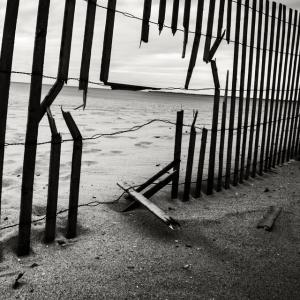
<point x="143" y="144"/>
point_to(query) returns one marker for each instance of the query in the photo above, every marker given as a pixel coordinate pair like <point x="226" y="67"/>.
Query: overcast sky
<point x="157" y="63"/>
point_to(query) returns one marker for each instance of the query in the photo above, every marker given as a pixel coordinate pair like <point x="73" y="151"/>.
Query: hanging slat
<point x="161" y="15"/>
<point x="175" y="16"/>
<point x="229" y="13"/>
<point x="186" y="24"/>
<point x="209" y="31"/>
<point x="146" y="19"/>
<point x="221" y="17"/>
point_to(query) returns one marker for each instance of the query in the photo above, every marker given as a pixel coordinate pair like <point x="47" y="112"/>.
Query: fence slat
<point x="108" y="38"/>
<point x="228" y="27"/>
<point x="175" y="16"/>
<point x="241" y="95"/>
<point x="233" y="93"/>
<point x="32" y="128"/>
<point x="186" y="24"/>
<point x="161" y="15"/>
<point x="201" y="163"/>
<point x="7" y="49"/>
<point x="221" y="17"/>
<point x="146" y="19"/>
<point x="209" y="30"/>
<point x="248" y="96"/>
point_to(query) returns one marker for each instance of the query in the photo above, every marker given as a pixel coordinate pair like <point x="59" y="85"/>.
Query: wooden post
<point x="233" y="93"/>
<point x="146" y="19"/>
<point x="222" y="138"/>
<point x="175" y="16"/>
<point x="248" y="96"/>
<point x="108" y="38"/>
<point x="162" y="14"/>
<point x="262" y="85"/>
<point x="254" y="100"/>
<point x="32" y="128"/>
<point x="7" y="50"/>
<point x="177" y="153"/>
<point x="201" y="163"/>
<point x="190" y="161"/>
<point x="87" y="48"/>
<point x="214" y="130"/>
<point x="53" y="180"/>
<point x="75" y="175"/>
<point x="209" y="30"/>
<point x="228" y="27"/>
<point x="282" y="147"/>
<point x="241" y="95"/>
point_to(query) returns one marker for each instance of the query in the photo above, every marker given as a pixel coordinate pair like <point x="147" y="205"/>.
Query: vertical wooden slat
<point x="108" y="38"/>
<point x="233" y="92"/>
<point x="261" y="94"/>
<point x="201" y="163"/>
<point x="196" y="43"/>
<point x="254" y="100"/>
<point x="209" y="30"/>
<point x="7" y="50"/>
<point x="53" y="181"/>
<point x="241" y="95"/>
<point x="282" y="147"/>
<point x="190" y="161"/>
<point x="177" y="153"/>
<point x="146" y="19"/>
<point x="161" y="15"/>
<point x="186" y="24"/>
<point x="222" y="136"/>
<point x="214" y="130"/>
<point x="175" y="16"/>
<point x="221" y="17"/>
<point x="32" y="128"/>
<point x="229" y="13"/>
<point x="248" y="96"/>
<point x="87" y="48"/>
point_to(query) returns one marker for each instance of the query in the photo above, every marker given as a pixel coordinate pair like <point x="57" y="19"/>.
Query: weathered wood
<point x="33" y="118"/>
<point x="146" y="19"/>
<point x="241" y="95"/>
<point x="228" y="27"/>
<point x="201" y="163"/>
<point x="175" y="16"/>
<point x="221" y="17"/>
<point x="255" y="92"/>
<point x="177" y="153"/>
<point x="87" y="48"/>
<point x="108" y="38"/>
<point x="161" y="15"/>
<point x="269" y="218"/>
<point x="159" y="213"/>
<point x="75" y="175"/>
<point x="190" y="161"/>
<point x="261" y="92"/>
<point x="209" y="30"/>
<point x="214" y="130"/>
<point x="222" y="136"/>
<point x="233" y="93"/>
<point x="6" y="57"/>
<point x="53" y="181"/>
<point x="186" y="24"/>
<point x="215" y="46"/>
<point x="248" y="95"/>
<point x="196" y="43"/>
<point x="282" y="147"/>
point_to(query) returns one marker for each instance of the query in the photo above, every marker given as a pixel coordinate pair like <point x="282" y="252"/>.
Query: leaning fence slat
<point x="201" y="163"/>
<point x="196" y="43"/>
<point x="261" y="92"/>
<point x="241" y="95"/>
<point x="108" y="38"/>
<point x="146" y="19"/>
<point x="177" y="153"/>
<point x="214" y="130"/>
<point x="254" y="100"/>
<point x="53" y="181"/>
<point x="209" y="30"/>
<point x="175" y="16"/>
<point x="7" y="49"/>
<point x="228" y="27"/>
<point x="87" y="48"/>
<point x="161" y="15"/>
<point x="222" y="136"/>
<point x="186" y="24"/>
<point x="248" y="96"/>
<point x="233" y="93"/>
<point x="221" y="17"/>
<point x="190" y="161"/>
<point x="23" y="247"/>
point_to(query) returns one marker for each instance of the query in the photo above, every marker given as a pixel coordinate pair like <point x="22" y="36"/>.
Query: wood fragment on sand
<point x="269" y="218"/>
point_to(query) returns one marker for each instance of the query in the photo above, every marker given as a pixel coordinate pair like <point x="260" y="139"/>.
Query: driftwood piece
<point x="159" y="213"/>
<point x="267" y="222"/>
<point x="196" y="43"/>
<point x="161" y="15"/>
<point x="175" y="16"/>
<point x="186" y="24"/>
<point x="146" y="19"/>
